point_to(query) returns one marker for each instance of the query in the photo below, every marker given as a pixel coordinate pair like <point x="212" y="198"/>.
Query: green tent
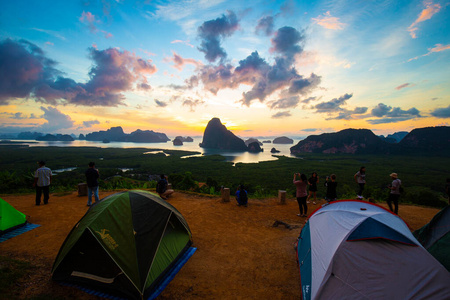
<point x="124" y="245"/>
<point x="435" y="236"/>
<point x="10" y="218"/>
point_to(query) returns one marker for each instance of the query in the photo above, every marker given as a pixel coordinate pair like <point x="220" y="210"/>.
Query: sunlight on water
<point x="235" y="157"/>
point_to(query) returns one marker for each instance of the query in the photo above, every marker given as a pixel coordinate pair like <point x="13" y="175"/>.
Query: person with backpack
<point x="395" y="192"/>
<point x="161" y="187"/>
<point x="241" y="196"/>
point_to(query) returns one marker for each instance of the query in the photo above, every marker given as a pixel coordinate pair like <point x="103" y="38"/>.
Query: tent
<point x="10" y="218"/>
<point x="357" y="250"/>
<point x="124" y="245"/>
<point x="435" y="236"/>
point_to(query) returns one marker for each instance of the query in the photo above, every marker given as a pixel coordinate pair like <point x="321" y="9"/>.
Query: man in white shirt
<point x="42" y="181"/>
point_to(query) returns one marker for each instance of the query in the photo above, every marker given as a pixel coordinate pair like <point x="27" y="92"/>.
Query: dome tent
<point x="358" y="250"/>
<point x="124" y="245"/>
<point x="10" y="218"/>
<point x="435" y="236"/>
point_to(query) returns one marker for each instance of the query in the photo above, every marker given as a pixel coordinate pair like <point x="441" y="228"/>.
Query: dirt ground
<point x="240" y="255"/>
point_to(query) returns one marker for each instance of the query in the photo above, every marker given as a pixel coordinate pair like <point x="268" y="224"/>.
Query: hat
<point x="394" y="175"/>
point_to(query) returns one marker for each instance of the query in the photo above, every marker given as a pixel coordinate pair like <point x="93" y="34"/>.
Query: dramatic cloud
<point x="56" y="120"/>
<point x="333" y="105"/>
<point x="329" y="22"/>
<point x="160" y="103"/>
<point x="27" y="73"/>
<point x="435" y="49"/>
<point x="265" y="25"/>
<point x="263" y="78"/>
<point x="392" y="115"/>
<point x="283" y="114"/>
<point x="192" y="103"/>
<point x="211" y="33"/>
<point x="23" y="67"/>
<point x="441" y="112"/>
<point x="180" y="62"/>
<point x="88" y="124"/>
<point x="426" y="14"/>
<point x="284" y="103"/>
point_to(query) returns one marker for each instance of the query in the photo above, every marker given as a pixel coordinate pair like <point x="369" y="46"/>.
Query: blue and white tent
<point x="358" y="250"/>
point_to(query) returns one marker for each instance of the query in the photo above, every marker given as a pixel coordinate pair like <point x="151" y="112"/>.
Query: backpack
<point x="161" y="186"/>
<point x="243" y="198"/>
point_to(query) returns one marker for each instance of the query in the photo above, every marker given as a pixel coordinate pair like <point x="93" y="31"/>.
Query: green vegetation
<point x="423" y="177"/>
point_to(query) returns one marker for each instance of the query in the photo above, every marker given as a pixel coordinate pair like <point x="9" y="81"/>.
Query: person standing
<point x="42" y="181"/>
<point x="92" y="176"/>
<point x="301" y="193"/>
<point x="394" y="195"/>
<point x="360" y="178"/>
<point x="313" y="181"/>
<point x="331" y="185"/>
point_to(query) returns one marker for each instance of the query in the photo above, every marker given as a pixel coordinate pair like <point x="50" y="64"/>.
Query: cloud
<point x="28" y="73"/>
<point x="180" y="62"/>
<point x="435" y="49"/>
<point x="23" y="66"/>
<point x="56" y="120"/>
<point x="310" y="129"/>
<point x="160" y="103"/>
<point x="211" y="32"/>
<point x="90" y="21"/>
<point x="284" y="103"/>
<point x="346" y="114"/>
<point x="263" y="78"/>
<point x="187" y="43"/>
<point x="282" y="114"/>
<point x="192" y="103"/>
<point x="426" y="14"/>
<point x="265" y="25"/>
<point x="332" y="105"/>
<point x="307" y="100"/>
<point x="329" y="22"/>
<point x="392" y="115"/>
<point x="402" y="86"/>
<point x="50" y="32"/>
<point x="286" y="42"/>
<point x="441" y="112"/>
<point x="88" y="124"/>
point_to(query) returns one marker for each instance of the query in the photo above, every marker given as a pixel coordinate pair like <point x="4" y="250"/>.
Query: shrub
<point x="422" y="196"/>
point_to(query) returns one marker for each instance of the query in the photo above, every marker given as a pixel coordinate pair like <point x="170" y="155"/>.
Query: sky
<point x="264" y="68"/>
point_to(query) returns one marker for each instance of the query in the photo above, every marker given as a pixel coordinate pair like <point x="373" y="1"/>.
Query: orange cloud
<point x="426" y="14"/>
<point x="436" y="48"/>
<point x="329" y="22"/>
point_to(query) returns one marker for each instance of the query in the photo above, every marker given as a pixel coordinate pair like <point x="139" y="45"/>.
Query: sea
<point x="234" y="157"/>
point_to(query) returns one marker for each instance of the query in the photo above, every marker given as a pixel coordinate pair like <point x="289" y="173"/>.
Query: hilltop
<point x="233" y="243"/>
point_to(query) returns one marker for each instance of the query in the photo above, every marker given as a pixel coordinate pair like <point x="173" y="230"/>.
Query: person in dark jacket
<point x="92" y="176"/>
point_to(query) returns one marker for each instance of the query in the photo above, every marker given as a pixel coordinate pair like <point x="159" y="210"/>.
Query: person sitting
<point x="162" y="188"/>
<point x="241" y="196"/>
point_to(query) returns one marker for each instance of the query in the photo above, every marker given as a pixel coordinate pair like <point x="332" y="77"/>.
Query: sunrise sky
<point x="265" y="68"/>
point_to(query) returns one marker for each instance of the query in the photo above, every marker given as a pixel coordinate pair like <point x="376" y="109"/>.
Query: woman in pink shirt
<point x="301" y="193"/>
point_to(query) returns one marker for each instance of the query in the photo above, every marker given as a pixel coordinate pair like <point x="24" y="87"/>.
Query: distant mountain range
<point x="364" y="141"/>
<point x="116" y="134"/>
